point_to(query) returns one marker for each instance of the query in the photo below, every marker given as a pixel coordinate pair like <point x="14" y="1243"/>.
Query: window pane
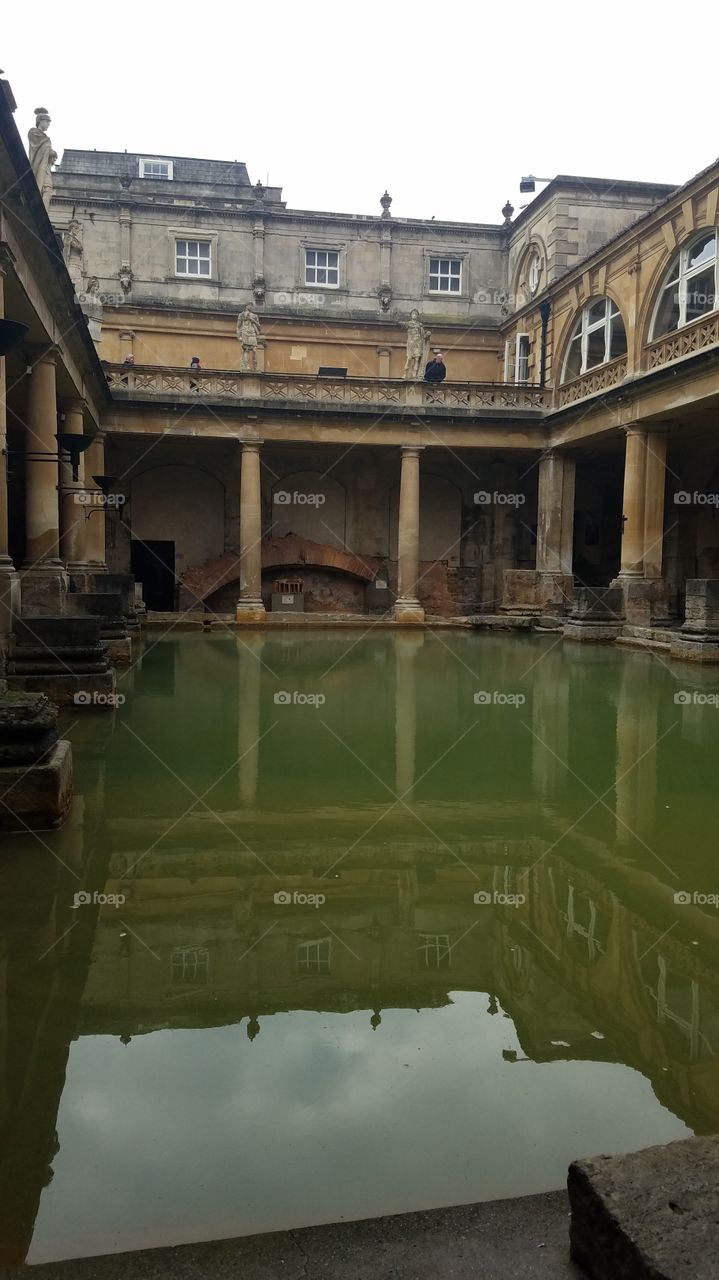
<point x="332" y="277"/>
<point x="700" y="294"/>
<point x="667" y="317"/>
<point x="455" y="268"/>
<point x="204" y="249"/>
<point x="181" y="247"/>
<point x="321" y="275"/>
<point x="618" y="340"/>
<point x="574" y="359"/>
<point x="597" y="311"/>
<point x="333" y="259"/>
<point x="434" y="282"/>
<point x="454" y="284"/>
<point x="596" y="341"/>
<point x="703" y="251"/>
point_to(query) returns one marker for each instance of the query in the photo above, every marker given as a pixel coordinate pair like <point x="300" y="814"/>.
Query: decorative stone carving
<point x="418" y="339"/>
<point x="248" y="331"/>
<point x="507" y="212"/>
<point x="125" y="277"/>
<point x="385" y="297"/>
<point x="92" y="307"/>
<point x="386" y="201"/>
<point x="42" y="156"/>
<point x="258" y="289"/>
<point x="72" y="251"/>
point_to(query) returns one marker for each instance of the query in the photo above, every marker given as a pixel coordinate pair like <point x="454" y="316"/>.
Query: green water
<point x="208" y="1058"/>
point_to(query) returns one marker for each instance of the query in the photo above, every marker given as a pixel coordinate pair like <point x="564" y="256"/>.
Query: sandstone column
<point x="44" y="582"/>
<point x="407" y="607"/>
<point x="249" y="606"/>
<point x="73" y="508"/>
<point x="9" y="579"/>
<point x="555" y="529"/>
<point x="632" y="565"/>
<point x="95" y="524"/>
<point x="655" y="480"/>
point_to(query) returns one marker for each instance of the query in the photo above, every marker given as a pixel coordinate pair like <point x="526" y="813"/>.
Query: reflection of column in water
<point x="636" y="778"/>
<point x="249" y="655"/>
<point x="550" y="723"/>
<point x="405" y="695"/>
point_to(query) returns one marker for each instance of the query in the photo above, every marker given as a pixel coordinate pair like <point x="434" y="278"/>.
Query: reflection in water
<point x="393" y="949"/>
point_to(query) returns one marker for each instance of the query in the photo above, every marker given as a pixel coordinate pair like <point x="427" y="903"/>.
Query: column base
<point x="645" y="599"/>
<point x="43" y="589"/>
<point x="408" y="611"/>
<point x="39" y="795"/>
<point x="249" y="611"/>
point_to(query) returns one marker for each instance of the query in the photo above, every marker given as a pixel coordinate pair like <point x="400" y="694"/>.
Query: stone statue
<point x="42" y="156"/>
<point x="72" y="251"/>
<point x="417" y="346"/>
<point x="248" y="331"/>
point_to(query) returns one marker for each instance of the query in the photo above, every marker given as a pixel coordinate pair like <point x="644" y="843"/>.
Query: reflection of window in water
<point x="682" y="1007"/>
<point x="314" y="956"/>
<point x="585" y="924"/>
<point x="433" y="951"/>
<point x="190" y="965"/>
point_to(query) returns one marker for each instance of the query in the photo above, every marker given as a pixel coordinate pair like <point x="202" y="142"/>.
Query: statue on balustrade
<point x="248" y="332"/>
<point x="42" y="156"/>
<point x="417" y="346"/>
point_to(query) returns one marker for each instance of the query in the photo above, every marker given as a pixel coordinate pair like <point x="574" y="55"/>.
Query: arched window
<point x="599" y="335"/>
<point x="690" y="286"/>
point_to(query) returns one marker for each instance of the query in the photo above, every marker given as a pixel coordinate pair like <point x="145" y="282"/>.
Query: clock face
<point x="535" y="271"/>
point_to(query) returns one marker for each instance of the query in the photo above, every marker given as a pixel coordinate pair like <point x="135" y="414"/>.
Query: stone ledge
<point x="650" y="1215"/>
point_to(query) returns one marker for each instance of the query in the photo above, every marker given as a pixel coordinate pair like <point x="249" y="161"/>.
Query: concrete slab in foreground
<point x="522" y="1239"/>
<point x="651" y="1215"/>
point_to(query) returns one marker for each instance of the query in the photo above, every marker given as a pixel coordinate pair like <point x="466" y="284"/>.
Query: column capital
<point x="412" y="450"/>
<point x="634" y="429"/>
<point x="42" y="353"/>
<point x="72" y="404"/>
<point x="251" y="446"/>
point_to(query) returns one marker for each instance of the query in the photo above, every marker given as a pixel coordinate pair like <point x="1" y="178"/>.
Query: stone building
<point x="569" y="449"/>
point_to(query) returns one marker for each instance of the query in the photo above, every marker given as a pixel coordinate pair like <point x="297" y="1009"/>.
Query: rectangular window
<point x="189" y="965"/>
<point x="521" y="363"/>
<point x="156" y="169"/>
<point x="314" y="957"/>
<point x="433" y="951"/>
<point x="192" y="258"/>
<point x="322" y="266"/>
<point x="445" y="275"/>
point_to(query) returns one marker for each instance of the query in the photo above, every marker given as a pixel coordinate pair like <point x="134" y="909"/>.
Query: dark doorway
<point x="153" y="564"/>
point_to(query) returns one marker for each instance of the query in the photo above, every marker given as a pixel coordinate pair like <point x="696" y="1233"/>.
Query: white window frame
<point x="186" y="963"/>
<point x="314" y="955"/>
<point x="436" y="945"/>
<point x="522" y="352"/>
<point x="316" y="266"/>
<point x="583" y="327"/>
<point x="447" y="275"/>
<point x="189" y="275"/>
<point x="158" y="177"/>
<point x="535" y="258"/>
<point x="679" y="276"/>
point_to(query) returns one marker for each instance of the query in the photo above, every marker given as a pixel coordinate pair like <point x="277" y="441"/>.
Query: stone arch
<point x="440" y="519"/>
<point x="561" y="346"/>
<point x="309" y="504"/>
<point x="651" y="293"/>
<point x="179" y="503"/>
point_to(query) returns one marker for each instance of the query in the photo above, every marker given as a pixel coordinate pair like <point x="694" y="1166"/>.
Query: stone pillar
<point x="383" y="355"/>
<point x="44" y="582"/>
<point x="635" y="467"/>
<point x="9" y="579"/>
<point x="555" y="530"/>
<point x="73" y="508"/>
<point x="655" y="481"/>
<point x="407" y="607"/>
<point x="95" y="524"/>
<point x="249" y="606"/>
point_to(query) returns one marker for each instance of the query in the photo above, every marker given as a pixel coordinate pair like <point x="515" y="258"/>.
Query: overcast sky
<point x="444" y="104"/>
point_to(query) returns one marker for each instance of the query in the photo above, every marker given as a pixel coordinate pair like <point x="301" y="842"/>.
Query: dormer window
<point x="161" y="169"/>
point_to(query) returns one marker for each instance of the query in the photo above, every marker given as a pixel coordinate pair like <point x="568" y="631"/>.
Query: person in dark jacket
<point x="436" y="370"/>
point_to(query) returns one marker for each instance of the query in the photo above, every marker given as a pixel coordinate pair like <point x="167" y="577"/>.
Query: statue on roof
<point x="42" y="156"/>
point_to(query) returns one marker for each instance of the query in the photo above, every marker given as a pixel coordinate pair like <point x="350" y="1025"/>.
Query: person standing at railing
<point x="435" y="370"/>
<point x="195" y="362"/>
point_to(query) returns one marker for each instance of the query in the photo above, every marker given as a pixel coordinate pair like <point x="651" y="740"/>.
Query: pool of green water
<point x="346" y="924"/>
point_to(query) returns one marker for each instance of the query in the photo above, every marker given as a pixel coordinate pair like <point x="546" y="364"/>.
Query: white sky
<point x="445" y="104"/>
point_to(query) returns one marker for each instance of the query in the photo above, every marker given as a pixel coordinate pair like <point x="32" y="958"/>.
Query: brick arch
<point x="292" y="551"/>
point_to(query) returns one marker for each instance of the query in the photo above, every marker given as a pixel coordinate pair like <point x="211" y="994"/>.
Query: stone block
<point x="555" y="592"/>
<point x="63" y="658"/>
<point x="650" y="1215"/>
<point x="38" y="797"/>
<point x="695" y="647"/>
<point x="520" y="591"/>
<point x="43" y="590"/>
<point x="701" y="612"/>
<point x="408" y="613"/>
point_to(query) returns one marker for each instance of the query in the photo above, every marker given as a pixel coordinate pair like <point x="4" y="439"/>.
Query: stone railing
<point x="152" y="383"/>
<point x="601" y="379"/>
<point x="697" y="336"/>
